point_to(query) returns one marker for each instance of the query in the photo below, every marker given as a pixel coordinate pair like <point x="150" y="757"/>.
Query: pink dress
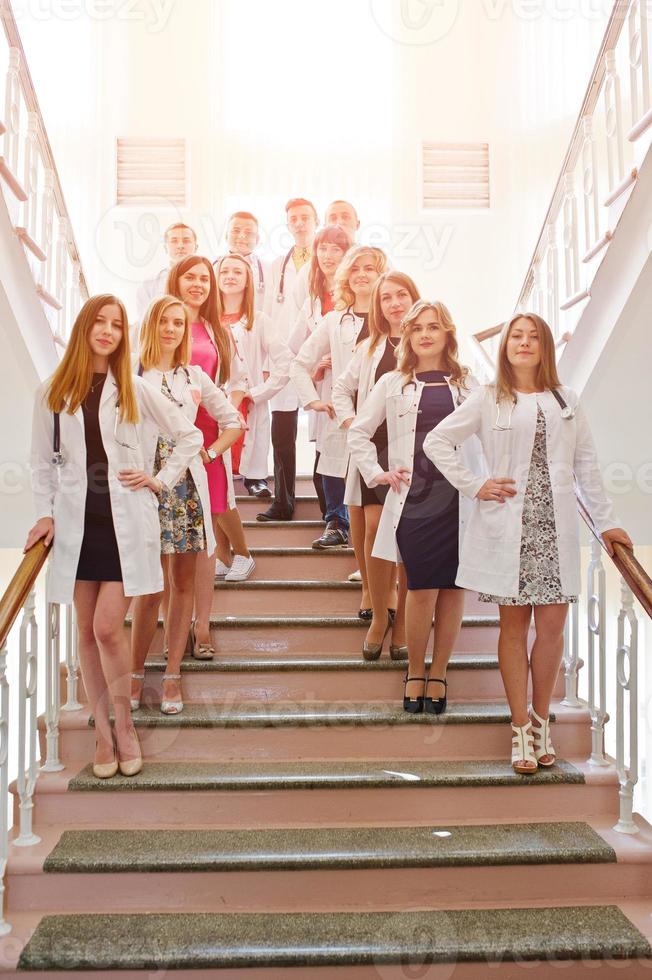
<point x="205" y="355"/>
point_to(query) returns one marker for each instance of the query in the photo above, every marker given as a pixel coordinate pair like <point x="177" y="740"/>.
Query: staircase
<point x="293" y="821"/>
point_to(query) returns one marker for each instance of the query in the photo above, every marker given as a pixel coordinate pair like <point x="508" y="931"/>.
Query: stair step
<point x="411" y="940"/>
<point x="302" y="563"/>
<point x="319" y="662"/>
<point x="306" y="507"/>
<point x="288" y="533"/>
<point x="107" y="851"/>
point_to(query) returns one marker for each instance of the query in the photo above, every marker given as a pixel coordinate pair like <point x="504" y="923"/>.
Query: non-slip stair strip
<point x="205" y="941"/>
<point x="277" y="714"/>
<point x="309" y="622"/>
<point x="207" y="776"/>
<point x="83" y="851"/>
<point x="228" y="663"/>
<point x="297" y="585"/>
<point x="262" y="552"/>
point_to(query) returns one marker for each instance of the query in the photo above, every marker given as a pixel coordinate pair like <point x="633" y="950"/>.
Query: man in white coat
<point x="345" y="216"/>
<point x="179" y="240"/>
<point x="242" y="236"/>
<point x="279" y="306"/>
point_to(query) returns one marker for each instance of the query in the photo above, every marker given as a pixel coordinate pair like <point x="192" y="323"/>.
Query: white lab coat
<point x="359" y="377"/>
<point x="283" y="316"/>
<point x="60" y="491"/>
<point x="261" y="350"/>
<point x="238" y="381"/>
<point x="336" y="335"/>
<point x="490" y="556"/>
<point x="397" y="401"/>
<point x="306" y="321"/>
<point x="191" y="391"/>
<point x="150" y="290"/>
<point x="261" y="274"/>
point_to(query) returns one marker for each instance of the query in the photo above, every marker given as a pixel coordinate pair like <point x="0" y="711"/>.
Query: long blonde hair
<point x="546" y="376"/>
<point x="247" y="309"/>
<point x="344" y="297"/>
<point x="378" y="325"/>
<point x="71" y="381"/>
<point x="407" y="359"/>
<point x="208" y="311"/>
<point x="150" y="338"/>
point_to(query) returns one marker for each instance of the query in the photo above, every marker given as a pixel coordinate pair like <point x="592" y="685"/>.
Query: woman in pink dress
<point x="192" y="280"/>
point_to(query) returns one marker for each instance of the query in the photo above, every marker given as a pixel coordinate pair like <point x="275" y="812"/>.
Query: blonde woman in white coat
<point x="421" y="522"/>
<point x="94" y="437"/>
<point x="392" y="297"/>
<point x="184" y="512"/>
<point x="336" y="338"/>
<point x="521" y="548"/>
<point x="267" y="360"/>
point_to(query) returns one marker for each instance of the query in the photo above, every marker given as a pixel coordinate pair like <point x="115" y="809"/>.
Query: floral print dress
<point x="539" y="577"/>
<point x="179" y="509"/>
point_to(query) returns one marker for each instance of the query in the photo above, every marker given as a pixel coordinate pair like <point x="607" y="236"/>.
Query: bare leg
<point x="513" y="659"/>
<point x="546" y="656"/>
<point x="143" y="628"/>
<point x="115" y="656"/>
<point x="205" y="588"/>
<point x="223" y="546"/>
<point x="398" y="629"/>
<point x="419" y="608"/>
<point x="381" y="576"/>
<point x="86" y="594"/>
<point x="448" y="621"/>
<point x="182" y="589"/>
<point x="230" y="523"/>
<point x="357" y="535"/>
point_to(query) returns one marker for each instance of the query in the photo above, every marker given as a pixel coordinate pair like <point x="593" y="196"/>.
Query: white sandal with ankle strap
<point x="171" y="707"/>
<point x="134" y="703"/>
<point x="542" y="744"/>
<point x="522" y="742"/>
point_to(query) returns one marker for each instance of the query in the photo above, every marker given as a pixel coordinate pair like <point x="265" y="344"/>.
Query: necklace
<point x="102" y="378"/>
<point x="393" y="341"/>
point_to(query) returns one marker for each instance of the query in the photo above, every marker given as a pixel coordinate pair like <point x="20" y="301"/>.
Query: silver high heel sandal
<point x="522" y="741"/>
<point x="542" y="744"/>
<point x="171" y="707"/>
<point x="135" y="702"/>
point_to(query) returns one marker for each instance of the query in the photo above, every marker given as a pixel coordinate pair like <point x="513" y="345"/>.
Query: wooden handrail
<point x="32" y="103"/>
<point x="626" y="562"/>
<point x="489" y="332"/>
<point x="20" y="587"/>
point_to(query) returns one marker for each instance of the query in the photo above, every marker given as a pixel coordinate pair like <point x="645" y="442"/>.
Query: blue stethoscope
<point x="566" y="411"/>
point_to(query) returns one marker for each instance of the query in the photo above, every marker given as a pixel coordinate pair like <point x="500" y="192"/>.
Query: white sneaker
<point x="241" y="569"/>
<point x="355" y="576"/>
<point x="221" y="570"/>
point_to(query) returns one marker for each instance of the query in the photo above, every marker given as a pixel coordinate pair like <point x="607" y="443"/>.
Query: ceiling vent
<point x="454" y="175"/>
<point x="151" y="171"/>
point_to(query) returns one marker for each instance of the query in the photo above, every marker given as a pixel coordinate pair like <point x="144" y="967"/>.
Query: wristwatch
<point x="212" y="455"/>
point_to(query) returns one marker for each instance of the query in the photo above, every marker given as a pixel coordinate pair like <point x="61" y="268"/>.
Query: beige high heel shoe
<point x="105" y="770"/>
<point x="200" y="651"/>
<point x="130" y="767"/>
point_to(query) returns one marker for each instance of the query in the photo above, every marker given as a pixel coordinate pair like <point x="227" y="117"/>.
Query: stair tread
<point x="321" y="662"/>
<point x="327" y="622"/>
<point x="572" y="842"/>
<point x="257" y="714"/>
<point x="179" y="776"/>
<point x="204" y="940"/>
<point x="262" y="552"/>
<point x="300" y="499"/>
<point x="282" y="584"/>
<point x="312" y="522"/>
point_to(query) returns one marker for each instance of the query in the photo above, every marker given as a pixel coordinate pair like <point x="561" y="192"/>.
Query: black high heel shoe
<point x="436" y="706"/>
<point x="413" y="706"/>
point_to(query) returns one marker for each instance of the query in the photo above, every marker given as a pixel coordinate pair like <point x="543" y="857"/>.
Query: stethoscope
<point x="566" y="411"/>
<point x="58" y="458"/>
<point x="181" y="367"/>
<point x="413" y="384"/>
<point x="261" y="277"/>
<point x="280" y="296"/>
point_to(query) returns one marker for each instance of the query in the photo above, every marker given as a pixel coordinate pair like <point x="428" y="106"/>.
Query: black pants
<point x="319" y="487"/>
<point x="284" y="443"/>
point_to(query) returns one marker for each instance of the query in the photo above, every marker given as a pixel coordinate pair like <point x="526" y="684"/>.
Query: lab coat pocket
<point x="492" y="518"/>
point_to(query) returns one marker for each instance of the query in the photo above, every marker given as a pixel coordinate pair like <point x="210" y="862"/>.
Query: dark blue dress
<point x="428" y="532"/>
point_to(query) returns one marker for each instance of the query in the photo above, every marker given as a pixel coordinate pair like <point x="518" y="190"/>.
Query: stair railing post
<point x="614" y="121"/>
<point x="639" y="67"/>
<point x="597" y="654"/>
<point x="12" y="111"/>
<point x="552" y="278"/>
<point x="30" y="207"/>
<point x="47" y="228"/>
<point x="4" y="784"/>
<point x="27" y="722"/>
<point x="52" y="683"/>
<point x="571" y="244"/>
<point x="72" y="662"/>
<point x="627" y="690"/>
<point x="572" y="660"/>
<point x="61" y="273"/>
<point x="590" y="185"/>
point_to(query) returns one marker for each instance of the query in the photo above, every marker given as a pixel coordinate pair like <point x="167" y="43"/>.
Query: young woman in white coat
<point x="392" y="296"/>
<point x="521" y="548"/>
<point x="184" y="511"/>
<point x="336" y="338"/>
<point x="420" y="521"/>
<point x="330" y="245"/>
<point x="192" y="280"/>
<point x="266" y="356"/>
<point x="94" y="437"/>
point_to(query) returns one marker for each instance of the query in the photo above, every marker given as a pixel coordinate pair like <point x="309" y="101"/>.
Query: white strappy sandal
<point x="542" y="744"/>
<point x="522" y="743"/>
<point x="171" y="707"/>
<point x="135" y="702"/>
